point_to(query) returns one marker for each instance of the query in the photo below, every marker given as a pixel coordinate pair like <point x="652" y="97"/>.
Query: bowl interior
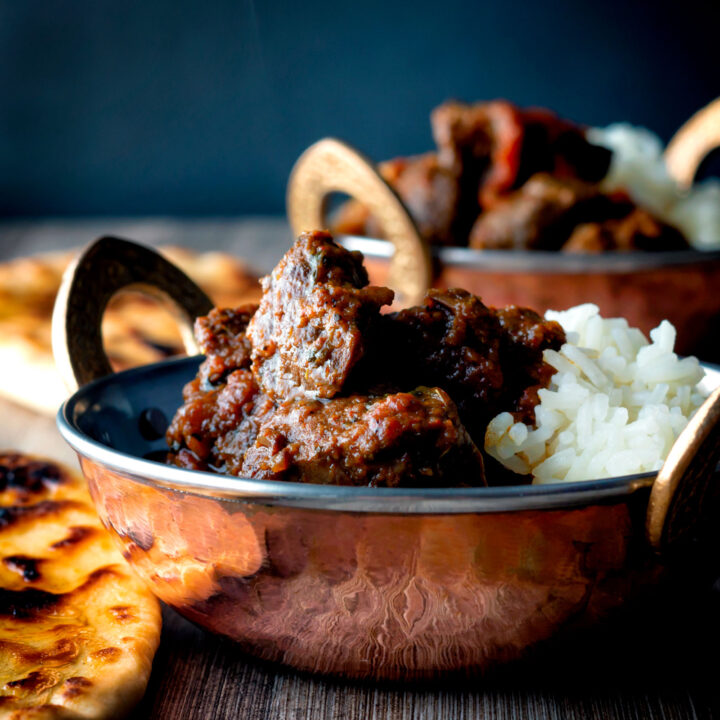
<point x="130" y="411"/>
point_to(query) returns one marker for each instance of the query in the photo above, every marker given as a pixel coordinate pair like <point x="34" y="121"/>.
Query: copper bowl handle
<point x="692" y="143"/>
<point x="105" y="267"/>
<point x="333" y="166"/>
<point x="682" y="493"/>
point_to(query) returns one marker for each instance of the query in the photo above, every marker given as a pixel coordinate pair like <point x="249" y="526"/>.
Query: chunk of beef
<point x="539" y="216"/>
<point x="214" y="427"/>
<point x="481" y="144"/>
<point x="452" y="341"/>
<point x="221" y="337"/>
<point x="525" y="336"/>
<point x="430" y="193"/>
<point x="411" y="439"/>
<point x="307" y="333"/>
<point x="549" y="213"/>
<point x="483" y="358"/>
<point x="638" y="230"/>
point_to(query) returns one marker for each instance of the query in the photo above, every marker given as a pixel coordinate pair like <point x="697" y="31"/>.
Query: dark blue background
<point x="193" y="108"/>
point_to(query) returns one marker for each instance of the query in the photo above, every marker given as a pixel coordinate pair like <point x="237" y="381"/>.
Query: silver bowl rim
<point x="542" y="261"/>
<point x="399" y="501"/>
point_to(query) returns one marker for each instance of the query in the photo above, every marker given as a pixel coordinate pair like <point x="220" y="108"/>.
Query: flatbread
<point x="136" y="330"/>
<point x="78" y="630"/>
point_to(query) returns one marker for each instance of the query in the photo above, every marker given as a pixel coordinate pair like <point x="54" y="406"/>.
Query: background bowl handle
<point x="101" y="270"/>
<point x="686" y="487"/>
<point x="333" y="166"/>
<point x="692" y="143"/>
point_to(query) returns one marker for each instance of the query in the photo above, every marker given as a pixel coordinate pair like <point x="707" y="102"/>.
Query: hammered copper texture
<point x="374" y="595"/>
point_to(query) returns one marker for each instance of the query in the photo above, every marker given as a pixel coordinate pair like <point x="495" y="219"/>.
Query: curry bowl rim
<point x="541" y="261"/>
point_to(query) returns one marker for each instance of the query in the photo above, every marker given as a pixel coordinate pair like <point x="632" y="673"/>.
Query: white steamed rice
<point x="637" y="166"/>
<point x="614" y="407"/>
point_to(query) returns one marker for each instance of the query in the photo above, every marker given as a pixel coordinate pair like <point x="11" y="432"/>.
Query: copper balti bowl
<point x="362" y="582"/>
<point x="643" y="287"/>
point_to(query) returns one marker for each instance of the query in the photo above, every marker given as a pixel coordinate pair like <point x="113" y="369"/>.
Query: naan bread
<point x="78" y="630"/>
<point x="136" y="330"/>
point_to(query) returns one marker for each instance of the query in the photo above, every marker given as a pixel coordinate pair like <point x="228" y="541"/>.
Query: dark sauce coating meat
<point x="214" y="428"/>
<point x="452" y="341"/>
<point x="560" y="148"/>
<point x="413" y="391"/>
<point x="223" y="406"/>
<point x="221" y="337"/>
<point x="638" y="230"/>
<point x="485" y="359"/>
<point x="540" y="215"/>
<point x="525" y="336"/>
<point x="495" y="147"/>
<point x="549" y="213"/>
<point x="308" y="331"/>
<point x="482" y="144"/>
<point x="430" y="192"/>
<point x="404" y="439"/>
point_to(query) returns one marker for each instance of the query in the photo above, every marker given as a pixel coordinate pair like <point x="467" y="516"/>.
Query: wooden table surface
<point x="659" y="662"/>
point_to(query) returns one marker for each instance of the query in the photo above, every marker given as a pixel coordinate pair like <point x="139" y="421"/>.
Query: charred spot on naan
<point x="27" y="567"/>
<point x="30" y="603"/>
<point x="75" y="686"/>
<point x="37" y="681"/>
<point x="44" y="510"/>
<point x="26" y="604"/>
<point x="77" y="534"/>
<point x="24" y="482"/>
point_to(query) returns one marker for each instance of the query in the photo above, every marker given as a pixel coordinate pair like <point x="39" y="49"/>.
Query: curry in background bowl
<point x="522" y="207"/>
